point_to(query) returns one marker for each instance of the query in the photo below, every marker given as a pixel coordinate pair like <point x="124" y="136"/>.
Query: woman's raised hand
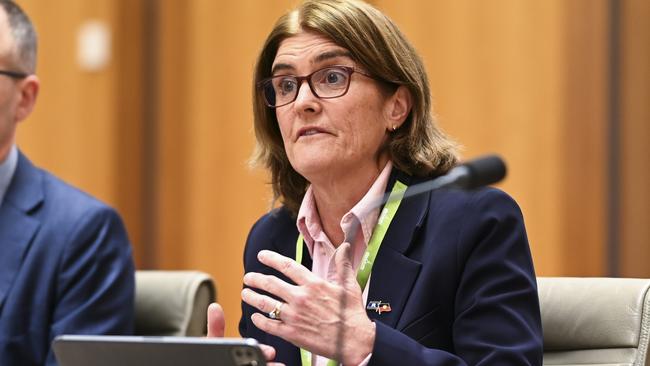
<point x="325" y="318"/>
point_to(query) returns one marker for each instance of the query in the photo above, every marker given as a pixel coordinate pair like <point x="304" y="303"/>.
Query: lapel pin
<point x="379" y="307"/>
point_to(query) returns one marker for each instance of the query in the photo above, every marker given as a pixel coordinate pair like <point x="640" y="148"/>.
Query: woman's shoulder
<point x="456" y="198"/>
<point x="484" y="198"/>
<point x="277" y="225"/>
<point x="478" y="205"/>
<point x="277" y="219"/>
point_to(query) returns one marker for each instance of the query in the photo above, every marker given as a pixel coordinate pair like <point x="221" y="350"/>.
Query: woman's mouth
<point x="310" y="131"/>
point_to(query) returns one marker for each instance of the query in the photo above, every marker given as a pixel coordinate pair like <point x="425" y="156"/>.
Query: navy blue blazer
<point x="455" y="267"/>
<point x="65" y="267"/>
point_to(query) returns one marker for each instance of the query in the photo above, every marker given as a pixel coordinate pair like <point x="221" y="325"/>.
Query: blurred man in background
<point x="65" y="259"/>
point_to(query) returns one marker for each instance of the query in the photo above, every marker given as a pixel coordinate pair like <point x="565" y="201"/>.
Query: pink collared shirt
<point x="321" y="248"/>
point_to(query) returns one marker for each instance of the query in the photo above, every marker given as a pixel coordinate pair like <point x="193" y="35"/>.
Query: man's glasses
<point x="326" y="83"/>
<point x="14" y="74"/>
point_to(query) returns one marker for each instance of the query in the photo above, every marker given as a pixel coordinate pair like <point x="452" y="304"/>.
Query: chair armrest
<point x="172" y="303"/>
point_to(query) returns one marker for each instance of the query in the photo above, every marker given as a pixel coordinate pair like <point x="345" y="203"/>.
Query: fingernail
<point x="261" y="255"/>
<point x="247" y="278"/>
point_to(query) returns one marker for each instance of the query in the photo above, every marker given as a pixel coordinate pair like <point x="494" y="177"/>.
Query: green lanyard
<point x="368" y="259"/>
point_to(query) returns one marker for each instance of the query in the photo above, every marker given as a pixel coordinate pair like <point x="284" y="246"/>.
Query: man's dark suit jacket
<point x="456" y="269"/>
<point x="65" y="267"/>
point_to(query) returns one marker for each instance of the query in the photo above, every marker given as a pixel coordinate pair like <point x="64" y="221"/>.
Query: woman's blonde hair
<point x="417" y="148"/>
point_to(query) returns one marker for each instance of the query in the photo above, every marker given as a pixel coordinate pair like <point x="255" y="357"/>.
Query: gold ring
<point x="277" y="310"/>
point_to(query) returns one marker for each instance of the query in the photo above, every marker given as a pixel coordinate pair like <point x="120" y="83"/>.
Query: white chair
<point x="172" y="303"/>
<point x="595" y="321"/>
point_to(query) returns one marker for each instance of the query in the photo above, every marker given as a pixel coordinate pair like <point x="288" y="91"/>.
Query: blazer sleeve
<point x="274" y="231"/>
<point x="96" y="282"/>
<point x="496" y="308"/>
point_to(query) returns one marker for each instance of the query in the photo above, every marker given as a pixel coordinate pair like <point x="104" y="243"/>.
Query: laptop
<point x="86" y="350"/>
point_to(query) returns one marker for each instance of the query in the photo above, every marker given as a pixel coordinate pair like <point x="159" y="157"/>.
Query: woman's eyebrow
<point x="332" y="54"/>
<point x="320" y="58"/>
<point x="279" y="67"/>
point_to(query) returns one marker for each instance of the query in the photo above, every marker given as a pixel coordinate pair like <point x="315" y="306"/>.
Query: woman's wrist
<point x="364" y="346"/>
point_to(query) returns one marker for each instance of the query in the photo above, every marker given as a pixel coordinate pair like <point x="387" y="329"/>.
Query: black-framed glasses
<point x="326" y="83"/>
<point x="14" y="74"/>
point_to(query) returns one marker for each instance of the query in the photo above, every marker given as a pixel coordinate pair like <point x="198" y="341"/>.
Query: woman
<point x="342" y="115"/>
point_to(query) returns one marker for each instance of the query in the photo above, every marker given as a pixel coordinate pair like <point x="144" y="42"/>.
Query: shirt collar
<point x="7" y="169"/>
<point x="309" y="223"/>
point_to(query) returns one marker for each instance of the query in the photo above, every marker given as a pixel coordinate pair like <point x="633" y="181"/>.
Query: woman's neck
<point x="336" y="197"/>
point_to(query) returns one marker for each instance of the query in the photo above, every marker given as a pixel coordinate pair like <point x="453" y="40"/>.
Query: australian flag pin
<point x="379" y="307"/>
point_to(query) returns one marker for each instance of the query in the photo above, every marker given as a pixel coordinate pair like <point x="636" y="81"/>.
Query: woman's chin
<point x="312" y="169"/>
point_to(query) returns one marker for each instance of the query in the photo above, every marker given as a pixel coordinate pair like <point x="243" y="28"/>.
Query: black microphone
<point x="479" y="172"/>
<point x="475" y="173"/>
<point x="483" y="171"/>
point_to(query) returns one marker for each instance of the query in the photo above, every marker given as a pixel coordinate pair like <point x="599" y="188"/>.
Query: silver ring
<point x="277" y="310"/>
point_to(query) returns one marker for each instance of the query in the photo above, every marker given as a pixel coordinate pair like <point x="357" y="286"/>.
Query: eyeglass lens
<point x="330" y="82"/>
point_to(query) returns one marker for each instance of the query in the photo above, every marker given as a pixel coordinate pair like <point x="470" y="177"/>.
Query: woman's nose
<point x="306" y="100"/>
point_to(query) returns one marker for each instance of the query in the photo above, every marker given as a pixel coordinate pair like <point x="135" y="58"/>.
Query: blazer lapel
<point x="17" y="227"/>
<point x="16" y="232"/>
<point x="393" y="273"/>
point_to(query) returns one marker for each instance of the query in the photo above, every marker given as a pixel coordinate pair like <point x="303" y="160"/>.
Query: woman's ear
<point x="398" y="108"/>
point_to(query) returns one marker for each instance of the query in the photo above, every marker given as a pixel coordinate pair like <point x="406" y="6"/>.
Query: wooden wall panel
<point x="584" y="158"/>
<point x="635" y="138"/>
<point x="86" y="124"/>
<point x="170" y="126"/>
<point x="127" y="106"/>
<point x="208" y="198"/>
<point x="509" y="77"/>
<point x="70" y="130"/>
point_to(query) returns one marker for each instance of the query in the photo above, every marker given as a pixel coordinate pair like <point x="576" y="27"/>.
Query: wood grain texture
<point x="635" y="138"/>
<point x="86" y="125"/>
<point x="527" y="80"/>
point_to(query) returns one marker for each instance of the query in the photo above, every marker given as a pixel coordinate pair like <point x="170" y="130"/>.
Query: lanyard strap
<point x="368" y="259"/>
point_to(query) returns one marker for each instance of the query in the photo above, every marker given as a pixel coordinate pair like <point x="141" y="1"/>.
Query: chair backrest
<point x="595" y="321"/>
<point x="172" y="303"/>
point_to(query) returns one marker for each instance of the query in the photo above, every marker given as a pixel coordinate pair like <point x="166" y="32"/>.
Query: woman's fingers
<point x="285" y="265"/>
<point x="216" y="320"/>
<point x="266" y="304"/>
<point x="268" y="351"/>
<point x="216" y="327"/>
<point x="313" y="313"/>
<point x="270" y="284"/>
<point x="274" y="327"/>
